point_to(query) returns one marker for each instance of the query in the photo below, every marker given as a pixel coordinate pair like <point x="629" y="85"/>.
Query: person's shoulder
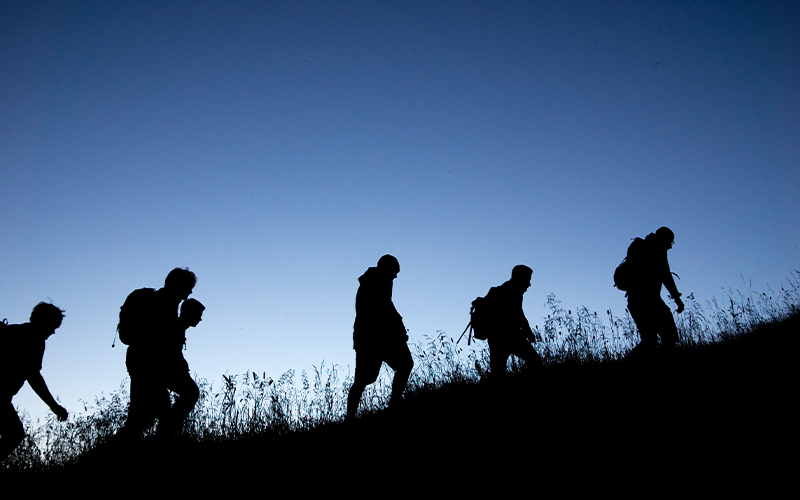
<point x="10" y="336"/>
<point x="651" y="242"/>
<point x="371" y="275"/>
<point x="501" y="291"/>
<point x="506" y="287"/>
<point x="17" y="329"/>
<point x="162" y="299"/>
<point x="22" y="337"/>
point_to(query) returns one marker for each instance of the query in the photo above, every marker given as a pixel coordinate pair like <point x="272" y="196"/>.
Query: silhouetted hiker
<point x="641" y="275"/>
<point x="378" y="334"/>
<point x="150" y="325"/>
<point x="508" y="329"/>
<point x="21" y="353"/>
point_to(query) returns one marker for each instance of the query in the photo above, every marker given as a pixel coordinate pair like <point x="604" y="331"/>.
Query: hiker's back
<point x="149" y="326"/>
<point x="652" y="262"/>
<point x="20" y="355"/>
<point x="640" y="273"/>
<point x="374" y="297"/>
<point x="512" y="317"/>
<point x="137" y="316"/>
<point x="496" y="316"/>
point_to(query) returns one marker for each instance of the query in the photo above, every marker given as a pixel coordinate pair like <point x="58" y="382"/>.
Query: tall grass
<point x="241" y="406"/>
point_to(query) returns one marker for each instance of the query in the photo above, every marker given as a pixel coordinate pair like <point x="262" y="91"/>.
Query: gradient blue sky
<point x="278" y="149"/>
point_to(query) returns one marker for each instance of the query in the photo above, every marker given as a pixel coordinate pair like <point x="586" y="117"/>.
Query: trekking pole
<point x="469" y="337"/>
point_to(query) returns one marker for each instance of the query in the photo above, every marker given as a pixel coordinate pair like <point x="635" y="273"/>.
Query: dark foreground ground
<point x="714" y="420"/>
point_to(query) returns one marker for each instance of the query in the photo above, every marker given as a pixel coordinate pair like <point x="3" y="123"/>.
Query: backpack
<point x="482" y="317"/>
<point x="629" y="272"/>
<point x="135" y="315"/>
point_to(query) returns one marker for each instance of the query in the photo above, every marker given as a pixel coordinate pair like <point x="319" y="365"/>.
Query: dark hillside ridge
<point x="721" y="413"/>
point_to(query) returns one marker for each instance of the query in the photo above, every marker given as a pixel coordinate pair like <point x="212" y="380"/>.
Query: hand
<point x="530" y="335"/>
<point x="61" y="413"/>
<point x="679" y="302"/>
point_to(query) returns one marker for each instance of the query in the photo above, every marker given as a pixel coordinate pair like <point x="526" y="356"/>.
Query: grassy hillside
<point x="719" y="413"/>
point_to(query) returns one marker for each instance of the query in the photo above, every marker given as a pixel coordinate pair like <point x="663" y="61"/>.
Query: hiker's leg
<point x="188" y="393"/>
<point x="498" y="357"/>
<point x="525" y="351"/>
<point x="11" y="430"/>
<point x="368" y="366"/>
<point x="666" y="327"/>
<point x="646" y="346"/>
<point x="354" y="397"/>
<point x="642" y="312"/>
<point x="148" y="398"/>
<point x="402" y="363"/>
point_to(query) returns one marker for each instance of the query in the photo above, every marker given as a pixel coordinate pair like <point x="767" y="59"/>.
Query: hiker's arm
<point x="669" y="283"/>
<point x="38" y="385"/>
<point x="679" y="303"/>
<point x="526" y="329"/>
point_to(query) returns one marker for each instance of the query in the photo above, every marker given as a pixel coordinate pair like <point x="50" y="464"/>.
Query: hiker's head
<point x="389" y="266"/>
<point x="46" y="318"/>
<point x="180" y="282"/>
<point x="521" y="276"/>
<point x="666" y="237"/>
<point x="192" y="311"/>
